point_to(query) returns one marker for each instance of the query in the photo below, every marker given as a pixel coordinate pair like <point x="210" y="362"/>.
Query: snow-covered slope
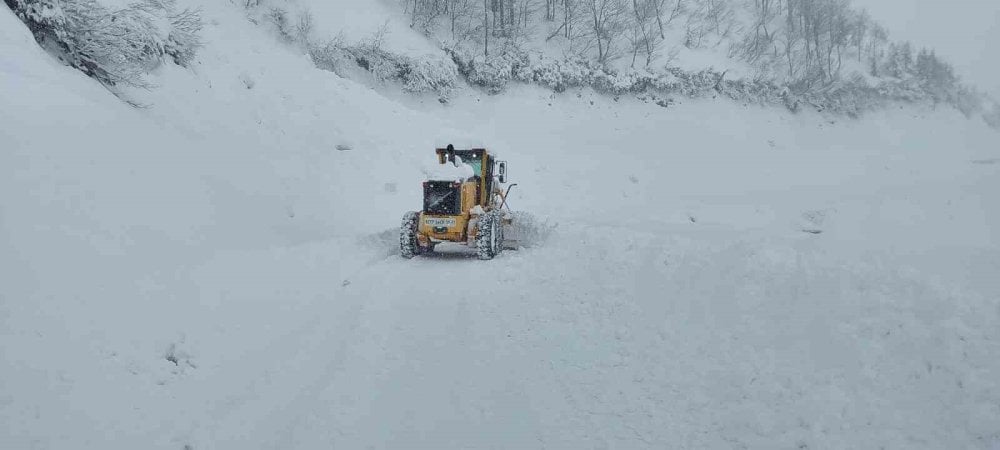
<point x="213" y="272"/>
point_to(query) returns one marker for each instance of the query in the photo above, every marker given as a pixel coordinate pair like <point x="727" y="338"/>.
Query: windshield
<point x="441" y="198"/>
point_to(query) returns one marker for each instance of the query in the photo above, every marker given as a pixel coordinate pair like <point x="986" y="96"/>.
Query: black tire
<point x="489" y="236"/>
<point x="408" y="246"/>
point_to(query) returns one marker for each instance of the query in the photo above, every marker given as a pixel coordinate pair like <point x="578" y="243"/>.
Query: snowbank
<point x="457" y="171"/>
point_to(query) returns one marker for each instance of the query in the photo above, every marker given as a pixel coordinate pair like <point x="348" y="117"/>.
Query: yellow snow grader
<point x="464" y="206"/>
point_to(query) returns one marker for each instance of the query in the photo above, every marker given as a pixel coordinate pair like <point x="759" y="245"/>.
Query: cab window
<point x="476" y="161"/>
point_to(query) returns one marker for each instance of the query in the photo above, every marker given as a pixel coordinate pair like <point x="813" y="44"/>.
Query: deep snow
<point x="213" y="272"/>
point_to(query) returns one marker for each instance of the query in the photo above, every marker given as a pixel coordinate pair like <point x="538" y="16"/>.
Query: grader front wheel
<point x="408" y="246"/>
<point x="489" y="237"/>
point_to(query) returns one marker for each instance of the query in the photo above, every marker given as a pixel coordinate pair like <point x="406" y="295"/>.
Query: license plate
<point x="439" y="221"/>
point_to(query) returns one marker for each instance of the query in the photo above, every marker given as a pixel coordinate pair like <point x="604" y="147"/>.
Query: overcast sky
<point x="964" y="32"/>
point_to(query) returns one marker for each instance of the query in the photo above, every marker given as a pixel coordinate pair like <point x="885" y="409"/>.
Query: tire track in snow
<point x="310" y="398"/>
<point x="273" y="420"/>
<point x="253" y="409"/>
<point x="247" y="417"/>
<point x="416" y="364"/>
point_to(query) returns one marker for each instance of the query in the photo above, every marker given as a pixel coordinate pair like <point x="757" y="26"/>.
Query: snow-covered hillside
<point x="219" y="269"/>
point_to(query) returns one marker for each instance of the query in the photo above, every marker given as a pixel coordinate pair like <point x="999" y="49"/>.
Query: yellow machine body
<point x="465" y="210"/>
<point x="448" y="227"/>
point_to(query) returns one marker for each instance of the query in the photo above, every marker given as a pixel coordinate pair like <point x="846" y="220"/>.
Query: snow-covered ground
<point x="219" y="270"/>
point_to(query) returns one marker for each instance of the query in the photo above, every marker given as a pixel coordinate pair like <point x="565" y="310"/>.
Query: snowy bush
<point x="329" y="55"/>
<point x="495" y="72"/>
<point x="119" y="46"/>
<point x="304" y="27"/>
<point x="114" y="46"/>
<point x="429" y="75"/>
<point x="992" y="117"/>
<point x="851" y="95"/>
<point x="969" y="101"/>
<point x="417" y="75"/>
<point x="278" y="18"/>
<point x="184" y="39"/>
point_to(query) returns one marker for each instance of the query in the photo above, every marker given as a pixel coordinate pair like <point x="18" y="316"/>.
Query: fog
<point x="965" y="32"/>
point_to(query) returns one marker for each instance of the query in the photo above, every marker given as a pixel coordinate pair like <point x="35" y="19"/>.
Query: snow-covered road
<point x="712" y="275"/>
<point x="693" y="341"/>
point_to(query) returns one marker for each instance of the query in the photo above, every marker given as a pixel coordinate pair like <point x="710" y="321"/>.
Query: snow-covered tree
<point x="804" y="46"/>
<point x="114" y="46"/>
<point x="642" y="34"/>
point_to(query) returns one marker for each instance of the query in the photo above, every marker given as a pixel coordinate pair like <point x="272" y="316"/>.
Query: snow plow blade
<point x="511" y="234"/>
<point x="522" y="230"/>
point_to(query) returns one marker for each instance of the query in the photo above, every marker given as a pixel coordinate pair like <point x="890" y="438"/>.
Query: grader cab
<point x="465" y="206"/>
